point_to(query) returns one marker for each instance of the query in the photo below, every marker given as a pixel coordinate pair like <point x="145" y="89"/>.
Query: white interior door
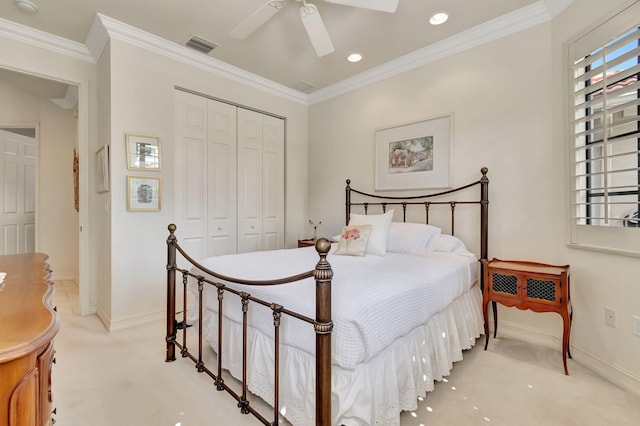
<point x="249" y="181"/>
<point x="229" y="178"/>
<point x="273" y="182"/>
<point x="221" y="192"/>
<point x="191" y="173"/>
<point x="17" y="193"/>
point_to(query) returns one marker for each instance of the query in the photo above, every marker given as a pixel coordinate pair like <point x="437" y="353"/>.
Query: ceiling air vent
<point x="302" y="86"/>
<point x="200" y="44"/>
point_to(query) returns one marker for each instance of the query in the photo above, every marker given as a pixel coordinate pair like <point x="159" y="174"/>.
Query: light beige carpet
<point x="103" y="379"/>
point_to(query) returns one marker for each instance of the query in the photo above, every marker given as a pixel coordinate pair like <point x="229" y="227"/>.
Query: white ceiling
<point x="280" y="50"/>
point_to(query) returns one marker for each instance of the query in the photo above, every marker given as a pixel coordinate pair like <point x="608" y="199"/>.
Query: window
<point x="605" y="139"/>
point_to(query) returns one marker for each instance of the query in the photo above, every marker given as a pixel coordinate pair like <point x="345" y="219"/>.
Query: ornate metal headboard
<point x="427" y="201"/>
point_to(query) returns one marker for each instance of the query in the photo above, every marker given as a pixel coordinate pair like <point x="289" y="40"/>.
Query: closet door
<point x="249" y="181"/>
<point x="191" y="173"/>
<point x="222" y="147"/>
<point x="272" y="182"/>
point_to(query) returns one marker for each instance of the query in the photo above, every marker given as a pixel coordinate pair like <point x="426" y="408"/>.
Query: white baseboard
<point x="132" y="321"/>
<point x="619" y="376"/>
<point x="104" y="318"/>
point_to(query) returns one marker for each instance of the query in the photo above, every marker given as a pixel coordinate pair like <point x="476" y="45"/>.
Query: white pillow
<point x="412" y="238"/>
<point x="379" y="232"/>
<point x="448" y="244"/>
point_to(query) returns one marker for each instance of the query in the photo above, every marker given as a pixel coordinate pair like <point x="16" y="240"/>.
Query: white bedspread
<point x="375" y="299"/>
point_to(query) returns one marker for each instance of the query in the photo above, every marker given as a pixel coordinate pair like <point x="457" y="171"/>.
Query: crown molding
<point x="510" y="23"/>
<point x="145" y="40"/>
<point x="70" y="99"/>
<point x="554" y="7"/>
<point x="104" y="28"/>
<point x="97" y="38"/>
<point x="28" y="35"/>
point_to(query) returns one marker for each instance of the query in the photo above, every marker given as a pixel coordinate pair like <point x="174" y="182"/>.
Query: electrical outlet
<point x="610" y="317"/>
<point x="635" y="325"/>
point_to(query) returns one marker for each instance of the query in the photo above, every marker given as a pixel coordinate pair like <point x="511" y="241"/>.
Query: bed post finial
<point x="323" y="327"/>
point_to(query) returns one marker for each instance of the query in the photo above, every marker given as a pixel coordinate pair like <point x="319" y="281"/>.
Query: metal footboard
<point x="322" y="325"/>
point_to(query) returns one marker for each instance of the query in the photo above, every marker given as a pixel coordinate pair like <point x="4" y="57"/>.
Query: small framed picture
<point x="144" y="194"/>
<point x="143" y="152"/>
<point x="102" y="168"/>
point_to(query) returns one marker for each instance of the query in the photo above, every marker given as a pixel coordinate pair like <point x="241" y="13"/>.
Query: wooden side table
<point x="306" y="243"/>
<point x="310" y="242"/>
<point x="528" y="285"/>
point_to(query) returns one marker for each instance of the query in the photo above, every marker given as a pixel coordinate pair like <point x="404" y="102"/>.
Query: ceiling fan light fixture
<point x="354" y="57"/>
<point x="26" y="6"/>
<point x="439" y="18"/>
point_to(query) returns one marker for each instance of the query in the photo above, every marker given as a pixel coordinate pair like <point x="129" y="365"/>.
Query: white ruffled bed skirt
<point x="371" y="393"/>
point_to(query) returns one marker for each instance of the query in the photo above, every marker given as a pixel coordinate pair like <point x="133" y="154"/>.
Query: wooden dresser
<point x="28" y="325"/>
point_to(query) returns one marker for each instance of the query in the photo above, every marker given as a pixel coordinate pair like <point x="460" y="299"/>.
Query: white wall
<point x="599" y="280"/>
<point x="101" y="202"/>
<point x="142" y="101"/>
<point x="507" y="99"/>
<point x="57" y="220"/>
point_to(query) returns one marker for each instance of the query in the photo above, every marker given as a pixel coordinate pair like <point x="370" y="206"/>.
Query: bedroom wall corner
<point x="101" y="202"/>
<point x="142" y="101"/>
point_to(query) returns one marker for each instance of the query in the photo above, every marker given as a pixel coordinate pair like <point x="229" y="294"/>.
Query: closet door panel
<point x="249" y="181"/>
<point x="273" y="182"/>
<point x="222" y="189"/>
<point x="191" y="172"/>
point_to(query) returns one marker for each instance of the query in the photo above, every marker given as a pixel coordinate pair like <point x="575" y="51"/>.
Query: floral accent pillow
<point x="353" y="240"/>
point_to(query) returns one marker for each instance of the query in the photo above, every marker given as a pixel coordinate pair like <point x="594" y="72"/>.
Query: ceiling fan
<point x="310" y="18"/>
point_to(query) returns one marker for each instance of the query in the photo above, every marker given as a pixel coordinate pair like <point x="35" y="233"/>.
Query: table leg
<point x="565" y="339"/>
<point x="495" y="318"/>
<point x="485" y="306"/>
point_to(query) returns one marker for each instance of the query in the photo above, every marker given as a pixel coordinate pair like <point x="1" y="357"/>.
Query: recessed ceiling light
<point x="26" y="6"/>
<point x="438" y="18"/>
<point x="354" y="57"/>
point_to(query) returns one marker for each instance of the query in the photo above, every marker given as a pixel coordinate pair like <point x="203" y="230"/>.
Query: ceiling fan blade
<point x="389" y="6"/>
<point x="245" y="28"/>
<point x="316" y="30"/>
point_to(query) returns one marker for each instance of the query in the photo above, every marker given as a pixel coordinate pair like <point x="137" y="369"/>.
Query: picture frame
<point x="143" y="152"/>
<point x="416" y="155"/>
<point x="144" y="194"/>
<point x="102" y="169"/>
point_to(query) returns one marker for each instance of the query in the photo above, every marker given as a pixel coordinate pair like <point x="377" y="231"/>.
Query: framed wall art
<point x="143" y="152"/>
<point x="102" y="169"/>
<point x="415" y="155"/>
<point x="144" y="194"/>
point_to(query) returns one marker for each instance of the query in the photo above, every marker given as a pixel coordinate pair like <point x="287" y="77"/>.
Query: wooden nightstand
<point x="310" y="242"/>
<point x="529" y="285"/>
<point x="306" y="243"/>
